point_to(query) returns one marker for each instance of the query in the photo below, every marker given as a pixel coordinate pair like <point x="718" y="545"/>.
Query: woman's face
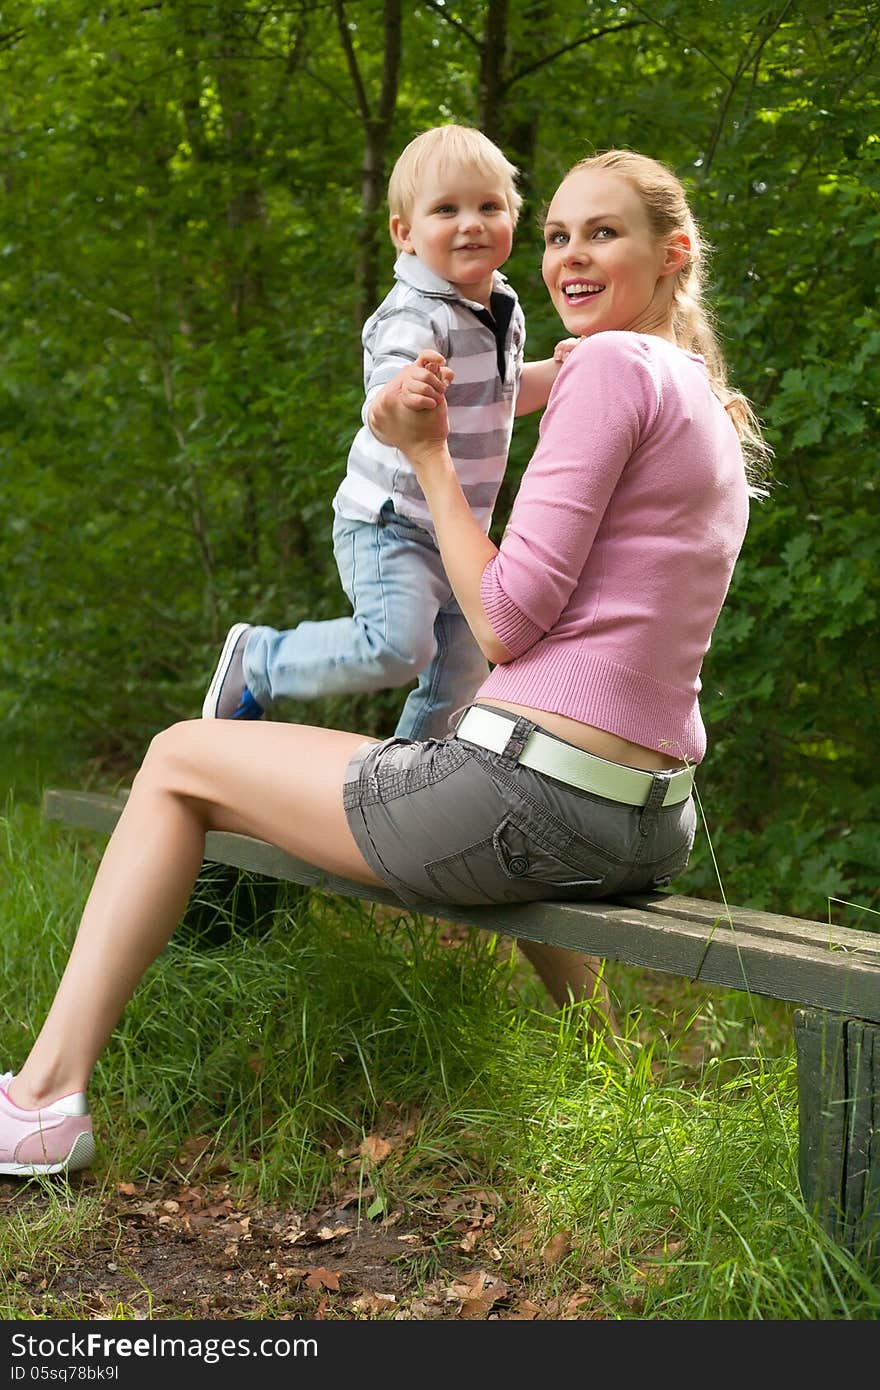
<point x="604" y="267"/>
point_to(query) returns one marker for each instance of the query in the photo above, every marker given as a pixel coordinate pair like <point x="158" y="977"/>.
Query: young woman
<point x="571" y="774"/>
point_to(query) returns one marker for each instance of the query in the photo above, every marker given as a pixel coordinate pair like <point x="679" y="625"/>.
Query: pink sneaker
<point x="57" y="1139"/>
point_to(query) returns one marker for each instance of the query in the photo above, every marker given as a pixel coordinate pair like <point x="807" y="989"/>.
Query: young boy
<point x="453" y="207"/>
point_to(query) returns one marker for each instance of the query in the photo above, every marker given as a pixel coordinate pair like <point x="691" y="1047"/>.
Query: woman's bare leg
<point x="277" y="782"/>
<point x="571" y="976"/>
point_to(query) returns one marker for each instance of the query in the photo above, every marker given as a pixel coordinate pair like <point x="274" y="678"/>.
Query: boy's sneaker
<point x="228" y="697"/>
<point x="55" y="1139"/>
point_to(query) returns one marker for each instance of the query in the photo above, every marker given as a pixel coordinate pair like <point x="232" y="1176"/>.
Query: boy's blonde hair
<point x="666" y="206"/>
<point x="446" y="145"/>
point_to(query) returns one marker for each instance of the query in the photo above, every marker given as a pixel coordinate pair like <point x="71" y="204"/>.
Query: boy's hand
<point x="423" y="385"/>
<point x="563" y="348"/>
<point x="419" y="388"/>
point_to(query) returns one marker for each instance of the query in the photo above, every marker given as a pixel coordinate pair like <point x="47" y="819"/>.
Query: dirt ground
<point x="182" y="1251"/>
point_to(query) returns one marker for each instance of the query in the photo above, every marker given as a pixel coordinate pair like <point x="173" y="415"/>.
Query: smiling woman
<point x="607" y="268"/>
<point x="623" y="251"/>
<point x="569" y="774"/>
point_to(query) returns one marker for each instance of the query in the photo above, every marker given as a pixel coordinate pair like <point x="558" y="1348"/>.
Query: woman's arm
<point x="410" y="412"/>
<point x="512" y="596"/>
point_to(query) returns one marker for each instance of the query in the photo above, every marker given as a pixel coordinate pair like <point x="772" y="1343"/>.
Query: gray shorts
<point x="445" y="821"/>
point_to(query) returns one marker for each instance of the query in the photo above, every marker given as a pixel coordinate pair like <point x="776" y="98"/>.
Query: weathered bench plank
<point x="823" y="934"/>
<point x="795" y="960"/>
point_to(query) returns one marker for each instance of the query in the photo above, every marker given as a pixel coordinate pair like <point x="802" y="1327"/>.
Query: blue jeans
<point x="406" y="625"/>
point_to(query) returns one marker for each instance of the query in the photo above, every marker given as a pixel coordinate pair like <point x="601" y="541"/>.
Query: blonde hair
<point x="666" y="205"/>
<point x="455" y="145"/>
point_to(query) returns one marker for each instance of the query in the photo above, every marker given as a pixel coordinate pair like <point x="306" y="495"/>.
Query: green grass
<point x="672" y="1162"/>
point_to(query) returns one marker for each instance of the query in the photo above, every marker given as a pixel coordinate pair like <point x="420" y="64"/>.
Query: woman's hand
<point x="410" y="412"/>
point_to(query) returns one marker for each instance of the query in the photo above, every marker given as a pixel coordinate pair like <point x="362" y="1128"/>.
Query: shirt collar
<point x="417" y="275"/>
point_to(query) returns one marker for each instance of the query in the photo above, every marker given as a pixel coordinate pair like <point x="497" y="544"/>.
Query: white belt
<point x="571" y="765"/>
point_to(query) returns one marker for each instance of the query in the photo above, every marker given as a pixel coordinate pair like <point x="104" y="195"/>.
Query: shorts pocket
<point x="664" y="870"/>
<point x="572" y="863"/>
<point x="393" y="524"/>
<point x="518" y="863"/>
<point x="471" y="876"/>
<point x="402" y="766"/>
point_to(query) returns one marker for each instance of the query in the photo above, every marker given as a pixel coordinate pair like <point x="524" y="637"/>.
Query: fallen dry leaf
<point x="217" y="1209"/>
<point x="556" y="1249"/>
<point x="368" y="1302"/>
<point x="423" y="1309"/>
<point x="476" y="1308"/>
<point x="656" y="1263"/>
<point x="523" y="1240"/>
<point x="525" y="1311"/>
<point x="323" y="1279"/>
<point x="355" y="1194"/>
<point x="332" y="1232"/>
<point x="374" y="1149"/>
<point x="580" y="1299"/>
<point x="489" y="1197"/>
<point x="479" y="1284"/>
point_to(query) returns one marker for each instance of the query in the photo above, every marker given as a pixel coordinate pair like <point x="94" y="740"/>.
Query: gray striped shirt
<point x="424" y="311"/>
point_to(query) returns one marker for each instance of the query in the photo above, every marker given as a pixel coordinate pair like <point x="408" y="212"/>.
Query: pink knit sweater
<point x="621" y="545"/>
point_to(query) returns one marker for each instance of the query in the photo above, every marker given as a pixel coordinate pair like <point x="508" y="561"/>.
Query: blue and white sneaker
<point x="228" y="696"/>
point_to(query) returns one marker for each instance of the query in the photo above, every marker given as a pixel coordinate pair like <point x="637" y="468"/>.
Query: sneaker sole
<point x="209" y="705"/>
<point x="82" y="1155"/>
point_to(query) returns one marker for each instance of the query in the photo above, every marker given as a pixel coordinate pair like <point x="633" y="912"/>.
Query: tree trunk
<point x="377" y="130"/>
<point x="493" y="61"/>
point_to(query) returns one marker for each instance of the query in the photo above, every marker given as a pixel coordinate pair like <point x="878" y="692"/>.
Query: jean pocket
<point x="401" y="527"/>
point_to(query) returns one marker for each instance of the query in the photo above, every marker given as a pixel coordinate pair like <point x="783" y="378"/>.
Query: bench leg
<point x="839" y="1115"/>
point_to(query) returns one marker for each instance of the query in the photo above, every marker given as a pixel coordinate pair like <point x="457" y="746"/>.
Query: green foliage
<point x="181" y="361"/>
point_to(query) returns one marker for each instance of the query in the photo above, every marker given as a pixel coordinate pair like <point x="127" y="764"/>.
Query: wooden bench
<point x="832" y="973"/>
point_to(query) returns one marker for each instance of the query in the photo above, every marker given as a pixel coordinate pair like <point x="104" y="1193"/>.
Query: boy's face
<point x="461" y="228"/>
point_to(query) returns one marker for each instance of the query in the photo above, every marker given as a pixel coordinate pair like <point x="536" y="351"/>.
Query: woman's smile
<point x="576" y="291"/>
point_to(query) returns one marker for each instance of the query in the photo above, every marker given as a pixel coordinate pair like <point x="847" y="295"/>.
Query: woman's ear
<point x="400" y="231"/>
<point x="677" y="253"/>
